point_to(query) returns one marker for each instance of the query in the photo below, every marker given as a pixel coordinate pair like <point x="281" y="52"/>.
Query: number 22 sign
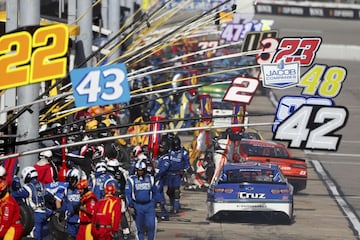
<point x="27" y="58"/>
<point x="100" y="85"/>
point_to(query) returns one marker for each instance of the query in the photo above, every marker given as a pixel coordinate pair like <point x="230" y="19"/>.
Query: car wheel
<point x="26" y="218"/>
<point x="57" y="228"/>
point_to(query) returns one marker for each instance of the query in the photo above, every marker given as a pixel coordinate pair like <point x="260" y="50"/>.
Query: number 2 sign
<point x="27" y="58"/>
<point x="100" y="85"/>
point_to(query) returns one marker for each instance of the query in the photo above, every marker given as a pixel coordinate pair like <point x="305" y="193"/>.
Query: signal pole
<point x="28" y="122"/>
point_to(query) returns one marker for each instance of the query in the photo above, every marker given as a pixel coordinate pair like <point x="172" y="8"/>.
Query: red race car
<point x="294" y="169"/>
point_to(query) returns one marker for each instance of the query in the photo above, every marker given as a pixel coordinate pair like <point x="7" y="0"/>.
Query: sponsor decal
<point x="307" y="11"/>
<point x="281" y="75"/>
<point x="251" y="195"/>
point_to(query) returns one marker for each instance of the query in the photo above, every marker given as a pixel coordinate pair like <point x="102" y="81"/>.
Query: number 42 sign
<point x="100" y="85"/>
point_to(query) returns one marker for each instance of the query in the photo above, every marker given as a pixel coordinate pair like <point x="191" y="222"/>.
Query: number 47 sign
<point x="100" y="85"/>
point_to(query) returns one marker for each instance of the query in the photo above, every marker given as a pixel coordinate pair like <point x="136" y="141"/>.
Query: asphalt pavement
<point x="316" y="214"/>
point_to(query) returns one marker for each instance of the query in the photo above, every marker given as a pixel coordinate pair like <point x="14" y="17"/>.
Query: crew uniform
<point x="161" y="175"/>
<point x="87" y="209"/>
<point x="34" y="194"/>
<point x="179" y="162"/>
<point x="70" y="202"/>
<point x="44" y="168"/>
<point x="142" y="195"/>
<point x="98" y="179"/>
<point x="107" y="216"/>
<point x="10" y="225"/>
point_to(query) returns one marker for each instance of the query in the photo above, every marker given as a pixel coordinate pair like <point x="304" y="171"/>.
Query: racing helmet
<point x="110" y="189"/>
<point x="140" y="165"/>
<point x="73" y="176"/>
<point x="3" y="188"/>
<point x="29" y="173"/>
<point x="164" y="146"/>
<point x="3" y="185"/>
<point x="113" y="165"/>
<point x="104" y="132"/>
<point x="83" y="184"/>
<point x="137" y="150"/>
<point x="100" y="167"/>
<point x="113" y="119"/>
<point x="142" y="157"/>
<point x="46" y="154"/>
<point x="176" y="143"/>
<point x="2" y="172"/>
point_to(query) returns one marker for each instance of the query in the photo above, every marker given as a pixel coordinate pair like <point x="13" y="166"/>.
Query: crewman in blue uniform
<point x="179" y="163"/>
<point x="34" y="194"/>
<point x="161" y="175"/>
<point x="142" y="195"/>
<point x="98" y="179"/>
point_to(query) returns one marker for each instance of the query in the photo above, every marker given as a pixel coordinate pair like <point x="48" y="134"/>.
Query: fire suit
<point x="10" y="225"/>
<point x="87" y="208"/>
<point x="107" y="218"/>
<point x="142" y="195"/>
<point x="34" y="195"/>
<point x="70" y="199"/>
<point x="179" y="162"/>
<point x="97" y="183"/>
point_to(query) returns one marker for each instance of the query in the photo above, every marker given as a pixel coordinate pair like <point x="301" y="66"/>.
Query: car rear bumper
<point x="215" y="208"/>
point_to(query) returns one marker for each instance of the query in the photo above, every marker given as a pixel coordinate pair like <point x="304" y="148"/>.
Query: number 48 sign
<point x="100" y="85"/>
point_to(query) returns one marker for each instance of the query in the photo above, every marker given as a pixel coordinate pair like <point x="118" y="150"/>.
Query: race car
<point x="250" y="187"/>
<point x="294" y="169"/>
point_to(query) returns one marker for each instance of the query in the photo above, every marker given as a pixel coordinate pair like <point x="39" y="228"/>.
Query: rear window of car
<point x="222" y="105"/>
<point x="254" y="176"/>
<point x="261" y="150"/>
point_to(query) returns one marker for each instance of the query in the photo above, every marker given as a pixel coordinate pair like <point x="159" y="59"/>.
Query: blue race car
<point x="250" y="187"/>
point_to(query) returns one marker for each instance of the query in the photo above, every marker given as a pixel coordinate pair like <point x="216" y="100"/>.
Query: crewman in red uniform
<point x="44" y="168"/>
<point x="107" y="216"/>
<point x="10" y="225"/>
<point x="87" y="208"/>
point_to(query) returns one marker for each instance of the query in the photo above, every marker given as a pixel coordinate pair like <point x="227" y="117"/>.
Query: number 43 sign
<point x="100" y="85"/>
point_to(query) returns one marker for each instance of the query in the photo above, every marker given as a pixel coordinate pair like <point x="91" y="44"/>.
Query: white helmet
<point x="46" y="154"/>
<point x="141" y="157"/>
<point x="100" y="167"/>
<point x="137" y="150"/>
<point x="2" y="171"/>
<point x="140" y="165"/>
<point x="113" y="165"/>
<point x="29" y="173"/>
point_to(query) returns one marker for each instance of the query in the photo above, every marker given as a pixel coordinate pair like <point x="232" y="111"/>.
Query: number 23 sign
<point x="100" y="85"/>
<point x="27" y="58"/>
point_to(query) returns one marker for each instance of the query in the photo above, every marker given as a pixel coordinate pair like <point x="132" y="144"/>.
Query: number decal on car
<point x="26" y="58"/>
<point x="313" y="127"/>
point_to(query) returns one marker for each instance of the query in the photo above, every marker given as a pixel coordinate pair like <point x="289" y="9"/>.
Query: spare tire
<point x="57" y="228"/>
<point x="26" y="218"/>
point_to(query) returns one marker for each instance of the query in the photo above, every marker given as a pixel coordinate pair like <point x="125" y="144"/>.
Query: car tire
<point x="26" y="218"/>
<point x="57" y="228"/>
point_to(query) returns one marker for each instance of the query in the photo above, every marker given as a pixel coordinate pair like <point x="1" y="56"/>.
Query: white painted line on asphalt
<point x="337" y="162"/>
<point x="332" y="154"/>
<point x="338" y="198"/>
